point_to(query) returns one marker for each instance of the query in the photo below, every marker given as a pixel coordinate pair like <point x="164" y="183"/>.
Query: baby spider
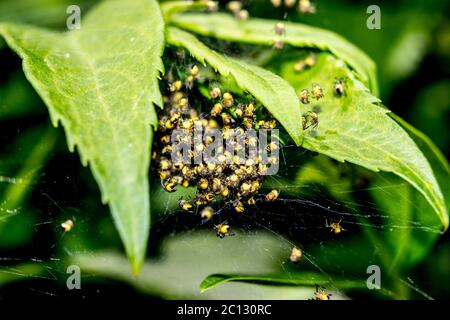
<point x="306" y="7"/>
<point x="242" y="15"/>
<point x="296" y="255"/>
<point x="317" y="91"/>
<point x="272" y="195"/>
<point x="310" y="117"/>
<point x="289" y="3"/>
<point x="239" y="207"/>
<point x="222" y="229"/>
<point x="212" y="6"/>
<point x="278" y="44"/>
<point x="234" y="6"/>
<point x="306" y="63"/>
<point x="227" y="100"/>
<point x="67" y="225"/>
<point x="339" y="86"/>
<point x="304" y="96"/>
<point x="321" y="294"/>
<point x="335" y="227"/>
<point x="185" y="205"/>
<point x="276" y="3"/>
<point x="280" y="28"/>
<point x="215" y="92"/>
<point x="207" y="213"/>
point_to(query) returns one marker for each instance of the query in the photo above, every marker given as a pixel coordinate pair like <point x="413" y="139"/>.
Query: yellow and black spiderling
<point x="305" y="63"/>
<point x="321" y="294"/>
<point x="207" y="213"/>
<point x="335" y="227"/>
<point x="317" y="91"/>
<point x="289" y="3"/>
<point x="280" y="28"/>
<point x="310" y="119"/>
<point x="185" y="205"/>
<point x="243" y="15"/>
<point x="276" y="3"/>
<point x="306" y="7"/>
<point x="340" y="86"/>
<point x="278" y="43"/>
<point x="272" y="195"/>
<point x="234" y="6"/>
<point x="296" y="254"/>
<point x="215" y="92"/>
<point x="67" y="225"/>
<point x="222" y="230"/>
<point x="212" y="6"/>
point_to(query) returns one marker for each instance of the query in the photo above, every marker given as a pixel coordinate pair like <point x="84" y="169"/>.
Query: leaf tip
<point x="136" y="267"/>
<point x="299" y="140"/>
<point x="445" y="224"/>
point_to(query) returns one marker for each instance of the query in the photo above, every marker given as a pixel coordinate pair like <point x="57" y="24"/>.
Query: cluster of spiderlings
<point x="230" y="178"/>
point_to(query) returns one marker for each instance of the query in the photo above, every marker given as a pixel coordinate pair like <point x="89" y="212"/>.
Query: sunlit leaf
<point x="170" y="8"/>
<point x="21" y="272"/>
<point x="354" y="127"/>
<point x="101" y="82"/>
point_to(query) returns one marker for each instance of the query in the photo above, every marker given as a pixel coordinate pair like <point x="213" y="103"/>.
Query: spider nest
<point x="199" y="100"/>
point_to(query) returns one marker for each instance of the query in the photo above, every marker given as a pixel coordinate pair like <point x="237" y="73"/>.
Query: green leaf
<point x="429" y="149"/>
<point x="354" y="127"/>
<point x="22" y="272"/>
<point x="411" y="228"/>
<point x="101" y="82"/>
<point x="309" y="279"/>
<point x="170" y="8"/>
<point x="272" y="91"/>
<point x="424" y="233"/>
<point x="262" y="31"/>
<point x="437" y="160"/>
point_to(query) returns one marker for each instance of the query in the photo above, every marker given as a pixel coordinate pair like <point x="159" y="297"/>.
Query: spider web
<point x="261" y="241"/>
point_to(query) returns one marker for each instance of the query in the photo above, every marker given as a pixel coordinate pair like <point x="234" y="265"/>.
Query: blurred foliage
<point x="431" y="111"/>
<point x="412" y="54"/>
<point x="16" y="218"/>
<point x="398" y="48"/>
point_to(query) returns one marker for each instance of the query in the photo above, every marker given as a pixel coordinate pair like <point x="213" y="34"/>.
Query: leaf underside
<point x="101" y="83"/>
<point x="272" y="91"/>
<point x="354" y="127"/>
